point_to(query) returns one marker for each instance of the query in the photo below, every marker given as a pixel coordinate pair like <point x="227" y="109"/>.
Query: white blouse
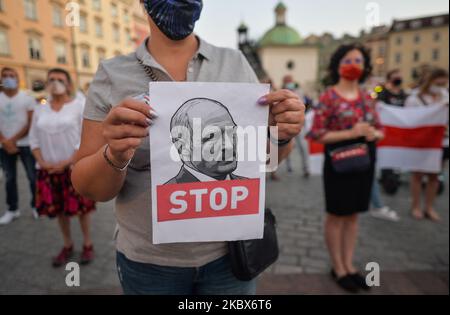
<point x="57" y="134"/>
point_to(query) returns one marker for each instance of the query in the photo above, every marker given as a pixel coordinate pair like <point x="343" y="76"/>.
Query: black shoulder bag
<point x="248" y="258"/>
<point x="351" y="158"/>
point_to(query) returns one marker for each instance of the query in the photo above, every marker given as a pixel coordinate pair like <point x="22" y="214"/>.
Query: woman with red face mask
<point x="347" y="123"/>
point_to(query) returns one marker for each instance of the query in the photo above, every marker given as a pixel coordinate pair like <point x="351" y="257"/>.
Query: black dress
<point x="347" y="194"/>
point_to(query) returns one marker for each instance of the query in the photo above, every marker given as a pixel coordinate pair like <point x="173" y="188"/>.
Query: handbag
<point x="250" y="258"/>
<point x="351" y="158"/>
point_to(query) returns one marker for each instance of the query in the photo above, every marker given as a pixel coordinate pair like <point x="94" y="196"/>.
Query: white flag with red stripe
<point x="413" y="137"/>
<point x="316" y="157"/>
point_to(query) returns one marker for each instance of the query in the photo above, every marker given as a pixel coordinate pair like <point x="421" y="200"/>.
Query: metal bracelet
<point x="120" y="169"/>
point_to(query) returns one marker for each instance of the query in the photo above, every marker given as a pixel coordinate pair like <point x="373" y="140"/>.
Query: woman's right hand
<point x="126" y="125"/>
<point x="361" y="129"/>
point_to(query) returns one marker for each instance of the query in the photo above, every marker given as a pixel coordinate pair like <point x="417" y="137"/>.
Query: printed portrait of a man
<point x="217" y="142"/>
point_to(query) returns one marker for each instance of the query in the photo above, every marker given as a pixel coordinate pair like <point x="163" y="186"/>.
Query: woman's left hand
<point x="287" y="112"/>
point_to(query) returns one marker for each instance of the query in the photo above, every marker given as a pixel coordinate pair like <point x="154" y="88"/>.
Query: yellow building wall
<point x="17" y="26"/>
<point x="425" y="47"/>
<point x="13" y="19"/>
<point x="105" y="42"/>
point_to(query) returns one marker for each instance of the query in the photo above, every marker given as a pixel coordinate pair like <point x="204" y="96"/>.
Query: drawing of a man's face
<point x="216" y="134"/>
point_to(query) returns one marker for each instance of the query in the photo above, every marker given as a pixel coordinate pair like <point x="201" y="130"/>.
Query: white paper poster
<point x="208" y="153"/>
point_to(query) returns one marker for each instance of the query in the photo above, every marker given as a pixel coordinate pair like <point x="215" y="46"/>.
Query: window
<point x="437" y="36"/>
<point x="399" y="26"/>
<point x="83" y="23"/>
<point x="436" y="54"/>
<point x="30" y="9"/>
<point x="61" y="53"/>
<point x="57" y="16"/>
<point x="416" y="56"/>
<point x="116" y="33"/>
<point x="101" y="54"/>
<point x="438" y="21"/>
<point x="399" y="40"/>
<point x="97" y="5"/>
<point x="85" y="57"/>
<point x="128" y="37"/>
<point x="398" y="58"/>
<point x="114" y="11"/>
<point x="35" y="47"/>
<point x="126" y="16"/>
<point x="98" y="28"/>
<point x="416" y="24"/>
<point x="417" y="39"/>
<point x="4" y="43"/>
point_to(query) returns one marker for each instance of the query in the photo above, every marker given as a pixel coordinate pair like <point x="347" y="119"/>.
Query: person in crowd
<point x="393" y="92"/>
<point x="433" y="92"/>
<point x="16" y="110"/>
<point x="379" y="209"/>
<point x="115" y="134"/>
<point x="346" y="121"/>
<point x="54" y="139"/>
<point x="300" y="141"/>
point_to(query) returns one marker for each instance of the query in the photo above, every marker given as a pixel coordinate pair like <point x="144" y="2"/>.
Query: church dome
<point x="281" y="34"/>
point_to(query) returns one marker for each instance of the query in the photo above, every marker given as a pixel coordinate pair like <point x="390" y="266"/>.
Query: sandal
<point x="433" y="216"/>
<point x="418" y="214"/>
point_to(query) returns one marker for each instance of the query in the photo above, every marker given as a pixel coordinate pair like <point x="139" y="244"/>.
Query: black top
<point x="391" y="98"/>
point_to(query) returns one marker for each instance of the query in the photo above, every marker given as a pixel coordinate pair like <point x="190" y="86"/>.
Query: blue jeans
<point x="9" y="165"/>
<point x="375" y="198"/>
<point x="214" y="278"/>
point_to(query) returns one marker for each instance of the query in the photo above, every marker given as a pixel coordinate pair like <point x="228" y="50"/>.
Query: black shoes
<point x="351" y="283"/>
<point x="360" y="281"/>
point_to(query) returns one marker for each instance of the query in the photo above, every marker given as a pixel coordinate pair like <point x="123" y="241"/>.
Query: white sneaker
<point x="386" y="214"/>
<point x="9" y="216"/>
<point x="35" y="213"/>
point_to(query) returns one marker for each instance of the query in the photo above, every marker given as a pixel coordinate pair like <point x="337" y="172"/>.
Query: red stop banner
<point x="207" y="199"/>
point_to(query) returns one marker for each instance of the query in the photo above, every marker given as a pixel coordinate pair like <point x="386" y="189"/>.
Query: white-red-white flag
<point x="413" y="137"/>
<point x="316" y="157"/>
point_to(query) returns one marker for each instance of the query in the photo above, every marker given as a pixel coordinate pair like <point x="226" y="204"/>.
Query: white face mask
<point x="436" y="89"/>
<point x="57" y="88"/>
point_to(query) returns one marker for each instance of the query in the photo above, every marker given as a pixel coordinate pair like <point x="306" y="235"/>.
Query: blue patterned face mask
<point x="175" y="18"/>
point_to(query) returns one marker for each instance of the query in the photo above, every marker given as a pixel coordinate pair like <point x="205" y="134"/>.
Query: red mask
<point x="351" y="72"/>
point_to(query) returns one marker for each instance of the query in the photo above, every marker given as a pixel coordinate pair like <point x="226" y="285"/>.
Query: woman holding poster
<point x="114" y="157"/>
<point x="433" y="92"/>
<point x="347" y="123"/>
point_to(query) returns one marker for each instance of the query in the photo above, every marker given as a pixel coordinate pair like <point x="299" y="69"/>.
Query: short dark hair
<point x="9" y="69"/>
<point x="335" y="61"/>
<point x="62" y="71"/>
<point x="391" y="73"/>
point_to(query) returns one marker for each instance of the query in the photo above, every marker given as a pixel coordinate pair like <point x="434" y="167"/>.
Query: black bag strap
<point x="148" y="70"/>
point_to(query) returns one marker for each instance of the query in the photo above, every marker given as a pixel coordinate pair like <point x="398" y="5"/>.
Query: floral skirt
<point x="55" y="196"/>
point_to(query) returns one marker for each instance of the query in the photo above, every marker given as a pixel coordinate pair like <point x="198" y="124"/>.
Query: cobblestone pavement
<point x="413" y="256"/>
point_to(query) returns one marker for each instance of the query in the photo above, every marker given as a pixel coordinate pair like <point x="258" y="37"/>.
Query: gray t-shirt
<point x="123" y="77"/>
